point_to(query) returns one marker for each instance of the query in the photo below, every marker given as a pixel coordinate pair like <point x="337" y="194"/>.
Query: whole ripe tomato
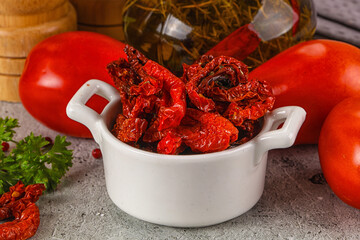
<point x="315" y="75"/>
<point x="57" y="67"/>
<point x="339" y="150"/>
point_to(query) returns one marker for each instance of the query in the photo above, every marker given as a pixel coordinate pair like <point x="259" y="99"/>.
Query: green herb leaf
<point x="33" y="160"/>
<point x="7" y="126"/>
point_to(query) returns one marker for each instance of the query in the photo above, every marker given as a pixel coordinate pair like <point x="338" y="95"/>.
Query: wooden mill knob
<point x="102" y="16"/>
<point x="26" y="7"/>
<point x="23" y="24"/>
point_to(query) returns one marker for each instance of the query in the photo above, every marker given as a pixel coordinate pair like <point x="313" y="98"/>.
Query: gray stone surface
<point x="292" y="206"/>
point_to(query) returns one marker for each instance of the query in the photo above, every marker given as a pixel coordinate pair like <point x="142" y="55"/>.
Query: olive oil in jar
<point x="176" y="32"/>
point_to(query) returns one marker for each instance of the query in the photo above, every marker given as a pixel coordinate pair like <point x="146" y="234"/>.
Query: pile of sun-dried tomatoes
<point x="210" y="108"/>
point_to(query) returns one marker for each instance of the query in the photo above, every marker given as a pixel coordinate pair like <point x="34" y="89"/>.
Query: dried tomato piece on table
<point x="19" y="203"/>
<point x="221" y="84"/>
<point x="152" y="97"/>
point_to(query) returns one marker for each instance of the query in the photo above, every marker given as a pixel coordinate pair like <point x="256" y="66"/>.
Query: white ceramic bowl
<point x="182" y="190"/>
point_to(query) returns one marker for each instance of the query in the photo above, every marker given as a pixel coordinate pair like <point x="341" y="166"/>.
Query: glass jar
<point x="175" y="32"/>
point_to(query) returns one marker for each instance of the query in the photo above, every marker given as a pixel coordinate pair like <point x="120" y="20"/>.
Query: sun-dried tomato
<point x="206" y="132"/>
<point x="202" y="132"/>
<point x="129" y="129"/>
<point x="221" y="84"/>
<point x="170" y="144"/>
<point x="172" y="111"/>
<point x="224" y="107"/>
<point x="191" y="70"/>
<point x="23" y="227"/>
<point x="152" y="97"/>
<point x="19" y="203"/>
<point x="213" y="79"/>
<point x="248" y="130"/>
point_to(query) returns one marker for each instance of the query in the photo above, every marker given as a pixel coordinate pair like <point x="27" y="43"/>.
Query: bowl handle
<point x="292" y="117"/>
<point x="78" y="111"/>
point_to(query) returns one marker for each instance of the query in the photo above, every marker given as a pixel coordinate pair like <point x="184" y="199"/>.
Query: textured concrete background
<point x="296" y="204"/>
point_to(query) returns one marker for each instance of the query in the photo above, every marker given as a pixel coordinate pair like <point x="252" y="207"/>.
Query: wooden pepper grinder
<point x="23" y="24"/>
<point x="101" y="16"/>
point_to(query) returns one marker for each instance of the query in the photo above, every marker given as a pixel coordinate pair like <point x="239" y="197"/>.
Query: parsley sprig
<point x="33" y="159"/>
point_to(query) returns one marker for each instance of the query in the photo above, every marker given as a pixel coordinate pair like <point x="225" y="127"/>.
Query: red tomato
<point x="57" y="67"/>
<point x="339" y="150"/>
<point x="315" y="75"/>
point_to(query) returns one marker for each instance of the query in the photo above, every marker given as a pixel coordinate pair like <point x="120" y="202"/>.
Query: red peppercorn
<point x="5" y="146"/>
<point x="96" y="153"/>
